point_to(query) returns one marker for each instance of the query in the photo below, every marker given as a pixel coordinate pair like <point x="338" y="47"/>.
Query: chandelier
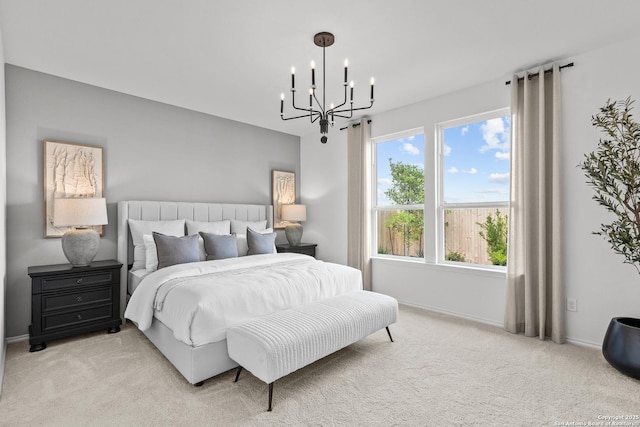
<point x="319" y="112"/>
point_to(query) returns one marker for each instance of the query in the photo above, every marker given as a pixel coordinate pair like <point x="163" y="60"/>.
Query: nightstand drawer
<point x="55" y="302"/>
<point x="76" y="317"/>
<point x="85" y="279"/>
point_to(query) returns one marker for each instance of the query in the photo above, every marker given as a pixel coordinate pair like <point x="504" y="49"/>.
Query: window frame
<point x="375" y="208"/>
<point x="441" y="205"/>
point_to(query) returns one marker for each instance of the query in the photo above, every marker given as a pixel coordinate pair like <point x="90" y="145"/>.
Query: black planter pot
<point x="621" y="346"/>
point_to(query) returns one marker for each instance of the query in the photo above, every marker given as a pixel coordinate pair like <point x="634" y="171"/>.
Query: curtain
<point x="535" y="292"/>
<point x="358" y="203"/>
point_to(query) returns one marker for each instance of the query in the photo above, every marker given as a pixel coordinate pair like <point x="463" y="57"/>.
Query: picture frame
<point x="283" y="192"/>
<point x="70" y="170"/>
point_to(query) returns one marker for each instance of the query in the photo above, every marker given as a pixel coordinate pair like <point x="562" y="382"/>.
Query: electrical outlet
<point x="572" y="304"/>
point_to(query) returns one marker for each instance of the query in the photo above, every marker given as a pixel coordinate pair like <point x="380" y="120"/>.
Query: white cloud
<point x="446" y="150"/>
<point x="409" y="148"/>
<point x="385" y="181"/>
<point x="453" y="169"/>
<point x="499" y="178"/>
<point x="495" y="134"/>
<point x="464" y="130"/>
<point x="501" y="155"/>
<point x="471" y="171"/>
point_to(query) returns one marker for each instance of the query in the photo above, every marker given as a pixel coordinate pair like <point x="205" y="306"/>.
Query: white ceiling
<point x="232" y="58"/>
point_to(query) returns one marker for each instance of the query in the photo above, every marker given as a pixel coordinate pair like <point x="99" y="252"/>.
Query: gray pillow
<point x="176" y="250"/>
<point x="220" y="246"/>
<point x="260" y="243"/>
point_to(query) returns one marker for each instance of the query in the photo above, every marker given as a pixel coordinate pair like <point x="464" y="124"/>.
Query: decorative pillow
<point x="151" y="253"/>
<point x="218" y="246"/>
<point x="260" y="243"/>
<point x="139" y="228"/>
<point x="215" y="227"/>
<point x="243" y="246"/>
<point x="176" y="250"/>
<point x="240" y="227"/>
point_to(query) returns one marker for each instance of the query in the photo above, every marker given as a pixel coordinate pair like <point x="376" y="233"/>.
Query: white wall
<point x="3" y="208"/>
<point x="324" y="190"/>
<point x="603" y="286"/>
<point x="595" y="276"/>
<point x="152" y="151"/>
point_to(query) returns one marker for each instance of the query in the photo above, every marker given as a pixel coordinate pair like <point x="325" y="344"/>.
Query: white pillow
<point x="139" y="228"/>
<point x="243" y="246"/>
<point x="240" y="227"/>
<point x="151" y="252"/>
<point x="214" y="227"/>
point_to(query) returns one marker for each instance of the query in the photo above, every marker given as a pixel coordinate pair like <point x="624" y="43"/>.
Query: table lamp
<point x="80" y="244"/>
<point x="293" y="213"/>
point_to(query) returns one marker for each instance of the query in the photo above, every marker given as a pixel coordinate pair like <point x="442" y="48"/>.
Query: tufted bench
<point x="273" y="346"/>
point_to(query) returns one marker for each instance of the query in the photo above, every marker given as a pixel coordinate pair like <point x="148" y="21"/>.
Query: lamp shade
<point x="293" y="212"/>
<point x="79" y="212"/>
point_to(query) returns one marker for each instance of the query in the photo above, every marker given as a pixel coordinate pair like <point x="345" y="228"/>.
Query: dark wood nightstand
<point x="302" y="248"/>
<point x="68" y="300"/>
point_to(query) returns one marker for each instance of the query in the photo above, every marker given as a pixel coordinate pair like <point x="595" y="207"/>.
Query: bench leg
<point x="389" y="332"/>
<point x="270" y="396"/>
<point x="238" y="374"/>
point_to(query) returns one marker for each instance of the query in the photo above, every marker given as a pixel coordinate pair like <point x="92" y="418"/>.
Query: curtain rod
<point x="570" y="64"/>
<point x="355" y="125"/>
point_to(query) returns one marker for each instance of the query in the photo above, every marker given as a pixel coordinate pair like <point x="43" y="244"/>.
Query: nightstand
<point x="68" y="300"/>
<point x="302" y="248"/>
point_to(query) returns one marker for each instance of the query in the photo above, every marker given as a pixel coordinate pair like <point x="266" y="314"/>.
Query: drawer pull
<point x="78" y="299"/>
<point x="79" y="317"/>
<point x="79" y="281"/>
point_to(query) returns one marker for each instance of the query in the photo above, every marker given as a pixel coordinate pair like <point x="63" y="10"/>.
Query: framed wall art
<point x="70" y="170"/>
<point x="283" y="192"/>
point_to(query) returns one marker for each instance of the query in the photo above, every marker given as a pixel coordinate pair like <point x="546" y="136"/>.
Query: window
<point x="398" y="202"/>
<point x="473" y="196"/>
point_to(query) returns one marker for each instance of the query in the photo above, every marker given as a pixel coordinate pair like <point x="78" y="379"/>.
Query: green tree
<point x="495" y="233"/>
<point x="407" y="188"/>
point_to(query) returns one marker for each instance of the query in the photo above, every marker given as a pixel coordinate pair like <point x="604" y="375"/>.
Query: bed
<point x="202" y="354"/>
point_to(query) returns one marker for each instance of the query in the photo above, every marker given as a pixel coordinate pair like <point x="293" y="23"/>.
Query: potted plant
<point x="613" y="170"/>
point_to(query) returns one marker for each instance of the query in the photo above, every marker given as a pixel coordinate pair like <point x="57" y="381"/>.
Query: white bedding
<point x="200" y="301"/>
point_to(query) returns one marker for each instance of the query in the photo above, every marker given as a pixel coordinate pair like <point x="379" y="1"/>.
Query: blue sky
<point x="476" y="161"/>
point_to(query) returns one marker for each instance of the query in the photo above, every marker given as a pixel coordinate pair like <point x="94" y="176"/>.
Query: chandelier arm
<point x="311" y="114"/>
<point x="343" y="102"/>
<point x="355" y="109"/>
<point x="293" y="103"/>
<point x="321" y="107"/>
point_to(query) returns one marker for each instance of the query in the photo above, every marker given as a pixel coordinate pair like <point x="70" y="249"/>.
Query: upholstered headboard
<point x="166" y="211"/>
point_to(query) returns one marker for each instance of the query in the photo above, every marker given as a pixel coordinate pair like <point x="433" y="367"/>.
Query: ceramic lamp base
<point x="294" y="234"/>
<point x="80" y="246"/>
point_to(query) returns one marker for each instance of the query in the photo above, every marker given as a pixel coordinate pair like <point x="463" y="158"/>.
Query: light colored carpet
<point x="441" y="371"/>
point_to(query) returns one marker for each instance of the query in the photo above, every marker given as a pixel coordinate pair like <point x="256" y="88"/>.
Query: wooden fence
<point x="462" y="235"/>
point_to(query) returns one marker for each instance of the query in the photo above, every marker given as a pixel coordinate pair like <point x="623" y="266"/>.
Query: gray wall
<point x="3" y="226"/>
<point x="152" y="151"/>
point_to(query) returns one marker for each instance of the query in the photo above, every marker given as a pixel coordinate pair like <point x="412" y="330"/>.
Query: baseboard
<point x="3" y="358"/>
<point x="584" y="343"/>
<point x="17" y="339"/>
<point x="454" y="314"/>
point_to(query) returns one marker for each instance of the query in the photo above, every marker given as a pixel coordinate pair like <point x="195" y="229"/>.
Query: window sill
<point x="497" y="272"/>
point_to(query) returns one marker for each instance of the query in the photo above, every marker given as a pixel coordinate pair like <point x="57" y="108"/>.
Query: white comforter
<point x="200" y="301"/>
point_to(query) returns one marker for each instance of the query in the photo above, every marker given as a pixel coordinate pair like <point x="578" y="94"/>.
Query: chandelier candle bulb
<point x="313" y="74"/>
<point x="372" y="81"/>
<point x="293" y="78"/>
<point x="352" y="91"/>
<point x="346" y="65"/>
<point x="281" y="103"/>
